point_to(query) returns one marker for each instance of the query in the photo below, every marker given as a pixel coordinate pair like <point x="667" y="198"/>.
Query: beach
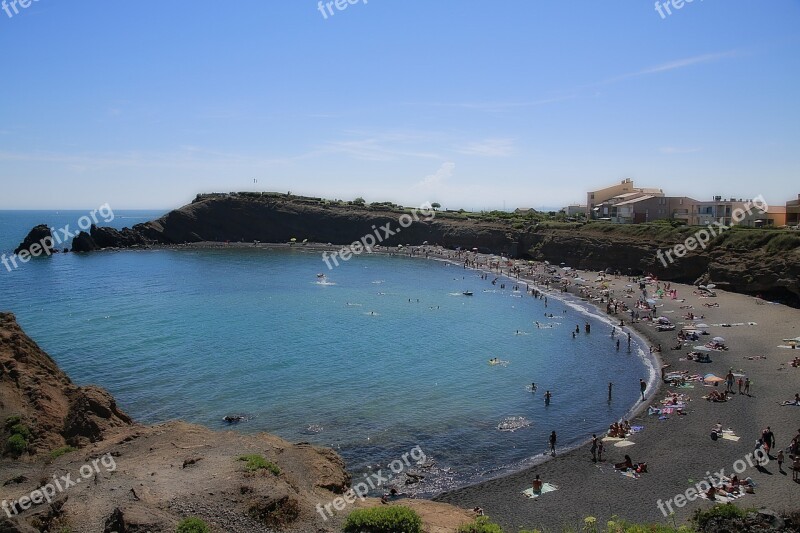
<point x="678" y="450"/>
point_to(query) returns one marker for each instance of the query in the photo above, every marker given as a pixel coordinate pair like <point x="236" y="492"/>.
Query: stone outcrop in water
<point x="39" y="241"/>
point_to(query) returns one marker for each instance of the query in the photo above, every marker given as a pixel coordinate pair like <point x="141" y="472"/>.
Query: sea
<point x="382" y="357"/>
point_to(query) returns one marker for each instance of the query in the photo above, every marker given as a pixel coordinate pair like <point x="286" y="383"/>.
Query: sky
<point x="472" y="104"/>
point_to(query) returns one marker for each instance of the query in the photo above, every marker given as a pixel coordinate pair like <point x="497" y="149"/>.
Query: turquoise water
<point x="198" y="334"/>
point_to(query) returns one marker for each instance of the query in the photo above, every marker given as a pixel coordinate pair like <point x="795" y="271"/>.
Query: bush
<point x="725" y="511"/>
<point x="383" y="520"/>
<point x="482" y="524"/>
<point x="193" y="525"/>
<point x="22" y="430"/>
<point x="58" y="452"/>
<point x="257" y="462"/>
<point x="13" y="421"/>
<point x="16" y="445"/>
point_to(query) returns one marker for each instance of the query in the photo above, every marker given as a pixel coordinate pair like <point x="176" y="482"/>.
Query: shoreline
<point x="677" y="450"/>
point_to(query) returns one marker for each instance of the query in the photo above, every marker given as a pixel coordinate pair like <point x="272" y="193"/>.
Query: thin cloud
<point x="672" y="65"/>
<point x="495" y="106"/>
<point x="488" y="148"/>
<point x="439" y="177"/>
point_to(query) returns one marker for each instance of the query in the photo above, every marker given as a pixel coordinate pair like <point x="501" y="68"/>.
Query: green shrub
<point x="193" y="525"/>
<point x="257" y="462"/>
<point x="383" y="520"/>
<point x="58" y="452"/>
<point x="16" y="445"/>
<point x="726" y="511"/>
<point x="22" y="430"/>
<point x="13" y="421"/>
<point x="482" y="524"/>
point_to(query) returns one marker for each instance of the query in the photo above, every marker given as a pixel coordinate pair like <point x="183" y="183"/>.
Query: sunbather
<point x="796" y="401"/>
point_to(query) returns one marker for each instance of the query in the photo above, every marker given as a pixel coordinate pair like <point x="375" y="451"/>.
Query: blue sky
<point x="472" y="104"/>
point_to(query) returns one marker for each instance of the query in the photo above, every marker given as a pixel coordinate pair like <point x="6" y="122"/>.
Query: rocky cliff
<point x="751" y="261"/>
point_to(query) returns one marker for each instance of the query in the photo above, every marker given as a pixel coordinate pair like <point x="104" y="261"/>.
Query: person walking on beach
<point x="594" y="448"/>
<point x="741" y="384"/>
<point x="780" y="461"/>
<point x="600" y="449"/>
<point x="747" y="386"/>
<point x="610" y="386"/>
<point x="729" y="381"/>
<point x="769" y="440"/>
<point x="553" y="443"/>
<point x="642" y="387"/>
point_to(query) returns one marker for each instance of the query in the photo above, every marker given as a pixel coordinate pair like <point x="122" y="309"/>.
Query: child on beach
<point x="780" y="461"/>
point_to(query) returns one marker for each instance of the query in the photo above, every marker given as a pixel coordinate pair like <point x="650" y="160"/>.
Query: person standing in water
<point x="547" y="397"/>
<point x="610" y="386"/>
<point x="642" y="387"/>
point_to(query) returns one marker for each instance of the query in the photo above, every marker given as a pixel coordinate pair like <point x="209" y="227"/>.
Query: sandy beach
<point x="678" y="449"/>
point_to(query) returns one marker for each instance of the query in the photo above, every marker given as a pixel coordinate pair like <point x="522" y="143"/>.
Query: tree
<point x="436" y="205"/>
<point x="359" y="201"/>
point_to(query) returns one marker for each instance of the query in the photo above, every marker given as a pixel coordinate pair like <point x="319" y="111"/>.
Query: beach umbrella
<point x="711" y="378"/>
<point x="718" y="339"/>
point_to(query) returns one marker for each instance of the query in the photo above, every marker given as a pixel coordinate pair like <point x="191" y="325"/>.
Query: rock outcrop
<point x="39" y="241"/>
<point x="53" y="411"/>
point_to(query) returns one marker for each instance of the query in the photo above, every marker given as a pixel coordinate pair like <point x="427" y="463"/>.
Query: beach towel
<point x="612" y="439"/>
<point x="636" y="429"/>
<point x="730" y="436"/>
<point x="630" y="473"/>
<point x="547" y="487"/>
<point x="623" y="444"/>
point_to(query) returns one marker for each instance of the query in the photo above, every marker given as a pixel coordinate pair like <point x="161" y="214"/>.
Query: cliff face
<point x="39" y="403"/>
<point x="765" y="262"/>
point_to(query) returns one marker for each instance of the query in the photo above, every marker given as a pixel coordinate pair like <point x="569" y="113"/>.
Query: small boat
<point x="321" y="276"/>
<point x="467" y="293"/>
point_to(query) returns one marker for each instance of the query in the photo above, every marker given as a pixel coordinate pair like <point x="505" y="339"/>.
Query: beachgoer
<point x="537" y="485"/>
<point x="594" y="448"/>
<point x="741" y="384"/>
<point x="547" y="397"/>
<point x="617" y="344"/>
<point x="642" y="387"/>
<point x="780" y="461"/>
<point x="600" y="449"/>
<point x="796" y="468"/>
<point x="610" y="386"/>
<point x="533" y="387"/>
<point x="769" y="439"/>
<point x="729" y="381"/>
<point x="747" y="383"/>
<point x="553" y="443"/>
